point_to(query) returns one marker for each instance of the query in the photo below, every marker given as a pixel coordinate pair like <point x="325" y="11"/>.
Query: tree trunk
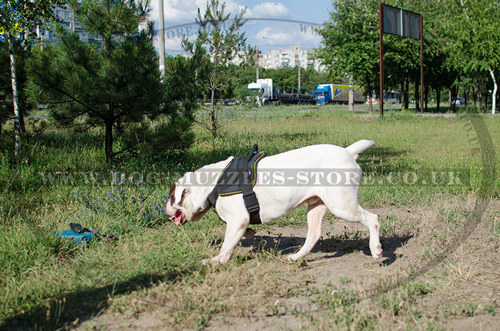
<point x="438" y="97"/>
<point x="495" y="89"/>
<point x="466" y="94"/>
<point x="370" y="99"/>
<point x="453" y="99"/>
<point x="15" y="96"/>
<point x="426" y="97"/>
<point x="110" y="120"/>
<point x="417" y="99"/>
<point x="403" y="99"/>
<point x="351" y="93"/>
<point x="213" y="118"/>
<point x="119" y="128"/>
<point x="407" y="94"/>
<point x="21" y="121"/>
<point x="108" y="142"/>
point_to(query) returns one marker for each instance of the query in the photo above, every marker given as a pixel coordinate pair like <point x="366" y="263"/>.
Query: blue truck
<point x="337" y="94"/>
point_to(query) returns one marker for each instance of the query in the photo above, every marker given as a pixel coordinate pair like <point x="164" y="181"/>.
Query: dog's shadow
<point x="283" y="245"/>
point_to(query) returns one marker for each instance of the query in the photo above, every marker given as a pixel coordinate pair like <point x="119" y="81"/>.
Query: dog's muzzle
<point x="178" y="218"/>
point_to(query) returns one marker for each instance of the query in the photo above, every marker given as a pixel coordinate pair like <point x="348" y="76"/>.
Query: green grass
<point x="49" y="283"/>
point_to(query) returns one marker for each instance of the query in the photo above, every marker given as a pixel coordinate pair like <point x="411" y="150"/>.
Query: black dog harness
<point x="239" y="176"/>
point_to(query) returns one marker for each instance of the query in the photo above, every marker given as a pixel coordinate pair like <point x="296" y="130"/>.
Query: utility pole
<point x="161" y="27"/>
<point x="257" y="61"/>
<point x="257" y="57"/>
<point x="381" y="47"/>
<point x="299" y="79"/>
<point x="300" y="53"/>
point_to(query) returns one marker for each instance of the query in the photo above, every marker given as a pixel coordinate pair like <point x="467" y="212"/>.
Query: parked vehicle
<point x="337" y="94"/>
<point x="392" y="97"/>
<point x="459" y="101"/>
<point x="262" y="91"/>
<point x="389" y="97"/>
<point x="293" y="99"/>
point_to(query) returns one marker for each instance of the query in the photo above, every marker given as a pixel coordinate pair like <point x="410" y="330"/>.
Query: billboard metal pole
<point x="381" y="95"/>
<point x="421" y="63"/>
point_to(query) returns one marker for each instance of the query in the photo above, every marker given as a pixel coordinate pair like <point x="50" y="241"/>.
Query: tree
<point x="19" y="18"/>
<point x="222" y="42"/>
<point x="180" y="103"/>
<point x="474" y="41"/>
<point x="438" y="74"/>
<point x="109" y="84"/>
<point x="350" y="45"/>
<point x="402" y="65"/>
<point x="22" y="50"/>
<point x="5" y="85"/>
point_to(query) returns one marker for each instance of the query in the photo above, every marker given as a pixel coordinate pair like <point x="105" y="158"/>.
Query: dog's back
<point x="322" y="156"/>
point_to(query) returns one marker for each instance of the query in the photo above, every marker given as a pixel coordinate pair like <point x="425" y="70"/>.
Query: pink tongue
<point x="177" y="218"/>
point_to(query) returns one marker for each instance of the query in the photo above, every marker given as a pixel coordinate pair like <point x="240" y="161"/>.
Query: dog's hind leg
<point x="370" y="220"/>
<point x="315" y="213"/>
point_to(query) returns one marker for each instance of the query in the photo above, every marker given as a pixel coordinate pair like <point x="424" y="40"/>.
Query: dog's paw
<point x="291" y="258"/>
<point x="213" y="261"/>
<point x="377" y="252"/>
<point x="209" y="261"/>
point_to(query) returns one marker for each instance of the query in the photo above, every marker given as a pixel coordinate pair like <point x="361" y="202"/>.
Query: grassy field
<point x="152" y="273"/>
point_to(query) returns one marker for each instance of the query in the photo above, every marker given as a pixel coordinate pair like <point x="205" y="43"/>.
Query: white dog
<point x="326" y="177"/>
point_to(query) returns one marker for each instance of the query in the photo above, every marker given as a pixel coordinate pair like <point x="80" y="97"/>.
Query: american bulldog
<point x="326" y="177"/>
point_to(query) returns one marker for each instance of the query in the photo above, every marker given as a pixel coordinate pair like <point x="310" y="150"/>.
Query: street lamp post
<point x="258" y="57"/>
<point x="161" y="29"/>
<point x="257" y="60"/>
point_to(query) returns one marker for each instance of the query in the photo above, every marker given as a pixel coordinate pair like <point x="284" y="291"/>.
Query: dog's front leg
<point x="234" y="232"/>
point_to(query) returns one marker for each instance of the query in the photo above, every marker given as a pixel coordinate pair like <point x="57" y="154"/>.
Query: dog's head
<point x="186" y="202"/>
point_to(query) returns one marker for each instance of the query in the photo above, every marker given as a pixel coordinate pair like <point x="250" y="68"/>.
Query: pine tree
<point x="110" y="84"/>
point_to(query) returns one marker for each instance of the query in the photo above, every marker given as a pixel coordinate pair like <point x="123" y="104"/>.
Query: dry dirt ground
<point x="440" y="271"/>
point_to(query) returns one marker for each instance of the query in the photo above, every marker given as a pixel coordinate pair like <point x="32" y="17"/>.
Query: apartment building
<point x="67" y="15"/>
<point x="292" y="57"/>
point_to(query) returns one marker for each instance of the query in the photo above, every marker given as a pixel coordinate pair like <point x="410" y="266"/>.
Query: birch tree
<point x="19" y="18"/>
<point x="474" y="39"/>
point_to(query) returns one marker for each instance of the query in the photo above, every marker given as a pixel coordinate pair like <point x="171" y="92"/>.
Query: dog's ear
<point x="171" y="194"/>
<point x="184" y="192"/>
<point x="181" y="194"/>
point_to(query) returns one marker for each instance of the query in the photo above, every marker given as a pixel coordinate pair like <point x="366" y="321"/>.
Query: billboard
<point x="401" y="22"/>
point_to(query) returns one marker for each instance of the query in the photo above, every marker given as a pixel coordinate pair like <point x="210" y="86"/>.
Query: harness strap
<point x="244" y="176"/>
<point x="212" y="197"/>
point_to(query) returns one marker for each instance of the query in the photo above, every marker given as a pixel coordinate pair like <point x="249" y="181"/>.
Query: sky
<point x="273" y="25"/>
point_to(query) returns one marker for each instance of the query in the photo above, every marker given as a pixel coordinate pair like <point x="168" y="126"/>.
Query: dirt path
<point x="339" y="284"/>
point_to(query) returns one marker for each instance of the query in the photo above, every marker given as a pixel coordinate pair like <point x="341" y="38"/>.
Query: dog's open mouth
<point x="177" y="217"/>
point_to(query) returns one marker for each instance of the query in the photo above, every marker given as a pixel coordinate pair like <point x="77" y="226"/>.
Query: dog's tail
<point x="359" y="147"/>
